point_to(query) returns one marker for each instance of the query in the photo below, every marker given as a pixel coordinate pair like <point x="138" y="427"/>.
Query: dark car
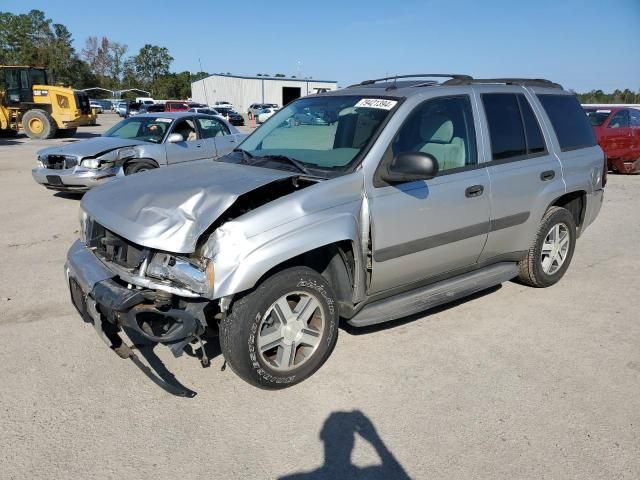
<point x="618" y="133"/>
<point x="151" y="108"/>
<point x="234" y="118"/>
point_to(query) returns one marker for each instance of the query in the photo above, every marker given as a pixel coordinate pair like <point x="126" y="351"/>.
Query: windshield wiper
<point x="290" y="160"/>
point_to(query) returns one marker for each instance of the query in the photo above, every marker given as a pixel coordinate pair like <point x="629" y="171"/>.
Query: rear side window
<point x="569" y="121"/>
<point x="635" y="118"/>
<point x="513" y="127"/>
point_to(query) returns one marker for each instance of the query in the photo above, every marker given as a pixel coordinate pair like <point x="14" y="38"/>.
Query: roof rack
<point x="529" y="82"/>
<point x="453" y="76"/>
<point x="459" y="79"/>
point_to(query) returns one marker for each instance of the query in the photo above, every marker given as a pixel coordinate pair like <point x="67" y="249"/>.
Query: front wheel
<point x="283" y="331"/>
<point x="550" y="255"/>
<point x="138" y="167"/>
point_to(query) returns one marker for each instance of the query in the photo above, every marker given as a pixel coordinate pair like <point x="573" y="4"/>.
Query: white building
<point x="243" y="91"/>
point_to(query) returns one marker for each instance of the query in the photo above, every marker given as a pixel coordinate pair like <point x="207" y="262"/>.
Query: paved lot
<point x="516" y="383"/>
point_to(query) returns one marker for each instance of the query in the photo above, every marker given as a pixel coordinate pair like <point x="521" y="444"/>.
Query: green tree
<point x="151" y="62"/>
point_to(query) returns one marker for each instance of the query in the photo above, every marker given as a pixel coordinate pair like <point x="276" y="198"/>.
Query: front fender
<point x="253" y="257"/>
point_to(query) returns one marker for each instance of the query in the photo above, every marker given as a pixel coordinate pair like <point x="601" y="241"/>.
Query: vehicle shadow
<point x="158" y="372"/>
<point x="417" y="316"/>
<point x="338" y="435"/>
<point x="85" y="134"/>
<point x="69" y="195"/>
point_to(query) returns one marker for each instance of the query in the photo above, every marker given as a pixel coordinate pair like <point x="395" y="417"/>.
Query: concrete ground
<point x="516" y="383"/>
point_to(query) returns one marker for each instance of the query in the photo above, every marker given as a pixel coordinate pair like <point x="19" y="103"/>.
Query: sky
<point x="583" y="45"/>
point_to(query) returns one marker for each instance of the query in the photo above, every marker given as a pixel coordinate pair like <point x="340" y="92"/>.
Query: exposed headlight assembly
<point x="197" y="278"/>
<point x="91" y="163"/>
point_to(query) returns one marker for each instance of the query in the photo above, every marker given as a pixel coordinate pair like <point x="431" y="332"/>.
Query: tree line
<point x="34" y="39"/>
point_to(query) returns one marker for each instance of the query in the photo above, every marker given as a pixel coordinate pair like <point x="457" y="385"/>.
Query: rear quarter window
<point x="569" y="121"/>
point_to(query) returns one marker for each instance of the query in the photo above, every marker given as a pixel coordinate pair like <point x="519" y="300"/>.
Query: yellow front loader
<point x="27" y="101"/>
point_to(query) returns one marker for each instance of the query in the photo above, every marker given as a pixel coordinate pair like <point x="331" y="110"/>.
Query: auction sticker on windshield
<point x="381" y="103"/>
<point x="164" y="120"/>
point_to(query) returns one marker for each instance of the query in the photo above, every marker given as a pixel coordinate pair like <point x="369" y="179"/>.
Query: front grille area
<point x="112" y="247"/>
<point x="59" y="162"/>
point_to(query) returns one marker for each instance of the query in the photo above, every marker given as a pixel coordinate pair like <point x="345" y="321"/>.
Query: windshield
<point x="147" y="129"/>
<point x="598" y="118"/>
<point x="323" y="133"/>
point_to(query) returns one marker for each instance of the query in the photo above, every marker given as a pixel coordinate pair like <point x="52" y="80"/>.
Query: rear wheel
<point x="550" y="255"/>
<point x="283" y="331"/>
<point x="39" y="125"/>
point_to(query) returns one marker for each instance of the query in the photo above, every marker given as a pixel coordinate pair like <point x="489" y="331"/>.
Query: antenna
<point x="204" y="85"/>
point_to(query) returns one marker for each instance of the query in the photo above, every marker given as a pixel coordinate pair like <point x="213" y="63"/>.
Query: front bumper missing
<point x="110" y="307"/>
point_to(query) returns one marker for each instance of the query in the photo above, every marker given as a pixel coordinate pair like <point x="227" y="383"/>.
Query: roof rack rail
<point x="530" y="82"/>
<point x="453" y="76"/>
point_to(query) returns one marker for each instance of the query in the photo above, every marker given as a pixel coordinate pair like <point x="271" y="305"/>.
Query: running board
<point x="430" y="296"/>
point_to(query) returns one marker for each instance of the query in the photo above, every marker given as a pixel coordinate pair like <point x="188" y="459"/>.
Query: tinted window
<point x="535" y="142"/>
<point x="505" y="125"/>
<point x="635" y="118"/>
<point x="569" y="121"/>
<point x="597" y="118"/>
<point x="442" y="127"/>
<point x="620" y="119"/>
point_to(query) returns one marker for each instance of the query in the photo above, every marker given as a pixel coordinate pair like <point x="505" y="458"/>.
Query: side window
<point x="533" y="135"/>
<point x="620" y="119"/>
<point x="212" y="127"/>
<point x="569" y="121"/>
<point x="505" y="125"/>
<point x="442" y="127"/>
<point x="635" y="118"/>
<point x="187" y="129"/>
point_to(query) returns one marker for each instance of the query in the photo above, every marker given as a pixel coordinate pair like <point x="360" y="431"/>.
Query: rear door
<point x="191" y="148"/>
<point x="423" y="229"/>
<point x="525" y="175"/>
<point x="634" y="115"/>
<point x="216" y="135"/>
<point x="618" y="135"/>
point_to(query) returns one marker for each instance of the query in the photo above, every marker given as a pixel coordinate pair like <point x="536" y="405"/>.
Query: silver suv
<point x="409" y="193"/>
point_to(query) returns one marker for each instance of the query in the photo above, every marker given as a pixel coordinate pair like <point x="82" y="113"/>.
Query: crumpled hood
<point x="90" y="147"/>
<point x="170" y="207"/>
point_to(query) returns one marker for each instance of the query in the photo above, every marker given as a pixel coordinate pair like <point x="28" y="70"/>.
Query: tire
<point x="137" y="167"/>
<point x="66" y="132"/>
<point x="545" y="263"/>
<point x="255" y="343"/>
<point x="38" y="124"/>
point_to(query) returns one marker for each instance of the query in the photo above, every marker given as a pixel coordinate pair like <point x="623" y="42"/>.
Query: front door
<point x="191" y="148"/>
<point x="426" y="228"/>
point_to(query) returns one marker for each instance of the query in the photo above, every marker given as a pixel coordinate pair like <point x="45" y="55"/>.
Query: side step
<point x="430" y="296"/>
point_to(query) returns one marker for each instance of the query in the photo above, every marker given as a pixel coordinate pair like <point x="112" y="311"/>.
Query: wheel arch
<point x="130" y="161"/>
<point x="576" y="203"/>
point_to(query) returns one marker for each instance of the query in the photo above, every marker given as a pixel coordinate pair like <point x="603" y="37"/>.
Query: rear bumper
<point x="620" y="165"/>
<point x="76" y="179"/>
<point x="109" y="306"/>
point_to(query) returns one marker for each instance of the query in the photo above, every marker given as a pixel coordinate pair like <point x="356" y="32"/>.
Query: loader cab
<point x="18" y="82"/>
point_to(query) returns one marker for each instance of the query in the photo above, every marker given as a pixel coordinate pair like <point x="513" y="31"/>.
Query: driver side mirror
<point x="410" y="167"/>
<point x="175" y="138"/>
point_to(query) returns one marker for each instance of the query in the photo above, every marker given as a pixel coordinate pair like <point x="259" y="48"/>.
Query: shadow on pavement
<point x="338" y="435"/>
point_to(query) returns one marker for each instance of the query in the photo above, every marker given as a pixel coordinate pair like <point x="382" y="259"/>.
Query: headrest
<point x="436" y="128"/>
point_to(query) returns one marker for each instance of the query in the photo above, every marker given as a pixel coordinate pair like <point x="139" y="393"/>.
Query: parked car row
<point x="618" y="133"/>
<point x="256" y="108"/>
<point x="366" y="204"/>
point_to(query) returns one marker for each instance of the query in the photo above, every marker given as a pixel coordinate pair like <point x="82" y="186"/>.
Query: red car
<point x="618" y="132"/>
<point x="180" y="105"/>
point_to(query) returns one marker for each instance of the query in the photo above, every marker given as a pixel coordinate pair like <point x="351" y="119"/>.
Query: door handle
<point x="547" y="175"/>
<point x="474" y="191"/>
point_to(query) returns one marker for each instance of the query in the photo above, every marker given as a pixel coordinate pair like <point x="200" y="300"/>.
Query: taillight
<point x="605" y="169"/>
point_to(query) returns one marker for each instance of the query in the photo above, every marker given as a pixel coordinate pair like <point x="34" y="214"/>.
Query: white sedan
<point x="265" y="114"/>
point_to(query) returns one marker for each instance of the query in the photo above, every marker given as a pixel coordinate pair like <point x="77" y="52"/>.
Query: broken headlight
<point x="184" y="272"/>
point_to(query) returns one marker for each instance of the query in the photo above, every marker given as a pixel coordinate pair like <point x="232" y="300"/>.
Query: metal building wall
<point x="242" y="92"/>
